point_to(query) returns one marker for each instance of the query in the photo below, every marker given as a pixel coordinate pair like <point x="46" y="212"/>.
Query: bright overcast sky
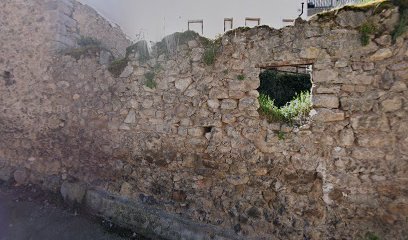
<point x="157" y="18"/>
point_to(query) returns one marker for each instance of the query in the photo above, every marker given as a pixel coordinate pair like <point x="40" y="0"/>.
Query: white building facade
<point x="154" y="19"/>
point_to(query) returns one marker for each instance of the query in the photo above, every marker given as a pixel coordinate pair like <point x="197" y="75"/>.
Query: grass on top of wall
<point x="295" y="111"/>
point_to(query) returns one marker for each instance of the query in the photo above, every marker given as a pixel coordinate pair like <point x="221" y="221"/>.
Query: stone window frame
<point x="292" y="63"/>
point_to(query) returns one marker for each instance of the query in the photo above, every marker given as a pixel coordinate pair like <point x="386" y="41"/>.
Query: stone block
<point x="368" y="154"/>
<point x="218" y="93"/>
<point x="327" y="89"/>
<point x="325" y="101"/>
<point x="191" y="93"/>
<point x="357" y="79"/>
<point x="370" y="122"/>
<point x="392" y="104"/>
<point x="347" y="137"/>
<point x="21" y="176"/>
<point x="126" y="189"/>
<point x="127" y="72"/>
<point x="237" y="179"/>
<point x="236" y="85"/>
<point x="236" y="94"/>
<point x="131" y="117"/>
<point x="229" y="104"/>
<point x="327" y="115"/>
<point x="356" y="104"/>
<point x="326" y="75"/>
<point x="375" y="140"/>
<point x="6" y="174"/>
<point x="228" y="118"/>
<point x="351" y="19"/>
<point x="309" y="53"/>
<point x="341" y="63"/>
<point x="384" y="40"/>
<point x="73" y="192"/>
<point x="381" y="54"/>
<point x="213" y="103"/>
<point x="196" y="132"/>
<point x="248" y="103"/>
<point x="183" y="84"/>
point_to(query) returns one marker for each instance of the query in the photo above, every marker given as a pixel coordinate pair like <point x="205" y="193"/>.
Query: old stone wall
<point x="91" y="24"/>
<point x="193" y="143"/>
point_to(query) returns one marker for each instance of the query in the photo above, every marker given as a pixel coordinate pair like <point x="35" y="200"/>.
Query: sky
<point x="154" y="19"/>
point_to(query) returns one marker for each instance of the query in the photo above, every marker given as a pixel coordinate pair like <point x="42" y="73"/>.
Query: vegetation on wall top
<point x="87" y="46"/>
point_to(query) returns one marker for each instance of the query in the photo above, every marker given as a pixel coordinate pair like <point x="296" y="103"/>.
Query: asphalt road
<point x="29" y="214"/>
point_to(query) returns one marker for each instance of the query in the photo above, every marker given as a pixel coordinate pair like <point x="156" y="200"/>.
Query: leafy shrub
<point x="150" y="82"/>
<point x="117" y="66"/>
<point x="366" y="30"/>
<point x="296" y="110"/>
<point x="282" y="87"/>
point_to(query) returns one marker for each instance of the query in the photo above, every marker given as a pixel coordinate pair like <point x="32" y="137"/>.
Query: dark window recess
<point x="283" y="84"/>
<point x="8" y="78"/>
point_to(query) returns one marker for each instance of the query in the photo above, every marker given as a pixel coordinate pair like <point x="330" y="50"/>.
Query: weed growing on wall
<point x="402" y="25"/>
<point x="150" y="82"/>
<point x="295" y="111"/>
<point x="211" y="49"/>
<point x="241" y="77"/>
<point x="209" y="55"/>
<point x="371" y="236"/>
<point x="366" y="30"/>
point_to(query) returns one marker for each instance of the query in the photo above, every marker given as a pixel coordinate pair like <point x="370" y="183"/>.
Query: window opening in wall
<point x="228" y="24"/>
<point x="252" y="22"/>
<point x="285" y="93"/>
<point x="192" y="25"/>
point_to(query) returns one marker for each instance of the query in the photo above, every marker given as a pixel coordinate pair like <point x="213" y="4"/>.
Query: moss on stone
<point x="150" y="82"/>
<point x="86" y="51"/>
<point x="117" y="66"/>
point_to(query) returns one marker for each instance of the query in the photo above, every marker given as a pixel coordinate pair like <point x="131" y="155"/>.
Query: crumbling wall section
<point x="91" y="24"/>
<point x="186" y="138"/>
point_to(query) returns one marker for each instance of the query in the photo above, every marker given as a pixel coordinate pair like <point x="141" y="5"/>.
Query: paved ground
<point x="30" y="214"/>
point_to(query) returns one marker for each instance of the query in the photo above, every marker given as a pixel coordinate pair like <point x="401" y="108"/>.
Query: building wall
<point x="195" y="145"/>
<point x="154" y="20"/>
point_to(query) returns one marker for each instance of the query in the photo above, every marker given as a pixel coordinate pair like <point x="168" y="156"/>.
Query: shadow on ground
<point x="27" y="213"/>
